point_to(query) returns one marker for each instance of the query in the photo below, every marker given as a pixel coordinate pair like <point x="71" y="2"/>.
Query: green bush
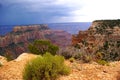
<point x="71" y="59"/>
<point x="42" y="46"/>
<point x="102" y="62"/>
<point x="46" y="67"/>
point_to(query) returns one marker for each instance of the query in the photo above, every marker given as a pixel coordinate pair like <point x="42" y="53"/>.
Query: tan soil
<point x="90" y="71"/>
<point x="93" y="71"/>
<point x="3" y="60"/>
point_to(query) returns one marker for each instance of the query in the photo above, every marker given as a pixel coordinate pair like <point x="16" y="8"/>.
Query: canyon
<point x="17" y="41"/>
<point x="92" y="40"/>
<point x="101" y="41"/>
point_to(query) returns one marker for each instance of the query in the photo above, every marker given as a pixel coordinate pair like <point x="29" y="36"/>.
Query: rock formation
<point x="102" y="36"/>
<point x="16" y="42"/>
<point x="98" y="29"/>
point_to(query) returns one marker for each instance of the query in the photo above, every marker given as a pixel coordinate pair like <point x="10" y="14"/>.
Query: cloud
<point x="46" y="11"/>
<point x="100" y="9"/>
<point x="40" y="10"/>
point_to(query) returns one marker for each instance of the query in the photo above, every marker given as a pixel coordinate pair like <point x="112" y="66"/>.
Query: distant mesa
<point x="30" y="28"/>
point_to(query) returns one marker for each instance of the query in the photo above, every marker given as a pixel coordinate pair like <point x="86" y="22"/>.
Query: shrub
<point x="102" y="62"/>
<point x="99" y="55"/>
<point x="46" y="67"/>
<point x="42" y="46"/>
<point x="71" y="59"/>
<point x="86" y="58"/>
<point x="8" y="56"/>
<point x="66" y="55"/>
<point x="78" y="56"/>
<point x="68" y="52"/>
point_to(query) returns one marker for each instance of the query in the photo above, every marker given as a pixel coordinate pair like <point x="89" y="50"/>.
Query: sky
<point x="56" y="11"/>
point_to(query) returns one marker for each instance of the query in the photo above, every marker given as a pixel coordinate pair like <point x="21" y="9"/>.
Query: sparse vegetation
<point x="46" y="67"/>
<point x="8" y="56"/>
<point x="71" y="59"/>
<point x="72" y="52"/>
<point x="110" y="51"/>
<point x="109" y="23"/>
<point x="102" y="62"/>
<point x="68" y="52"/>
<point x="87" y="58"/>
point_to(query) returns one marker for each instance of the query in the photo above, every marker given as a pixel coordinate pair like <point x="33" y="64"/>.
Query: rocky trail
<point x="88" y="71"/>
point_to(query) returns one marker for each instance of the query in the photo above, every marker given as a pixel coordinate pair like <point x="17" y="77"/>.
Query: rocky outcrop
<point x="99" y="31"/>
<point x="103" y="36"/>
<point x="16" y="42"/>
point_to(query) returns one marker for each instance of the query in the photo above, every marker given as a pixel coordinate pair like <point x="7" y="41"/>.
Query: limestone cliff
<point x="16" y="42"/>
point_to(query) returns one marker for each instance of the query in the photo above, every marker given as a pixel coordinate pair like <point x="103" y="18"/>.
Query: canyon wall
<point x="102" y="37"/>
<point x="16" y="42"/>
<point x="99" y="31"/>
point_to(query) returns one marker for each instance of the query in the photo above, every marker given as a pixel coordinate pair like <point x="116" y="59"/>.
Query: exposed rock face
<point x="99" y="30"/>
<point x="102" y="36"/>
<point x="16" y="42"/>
